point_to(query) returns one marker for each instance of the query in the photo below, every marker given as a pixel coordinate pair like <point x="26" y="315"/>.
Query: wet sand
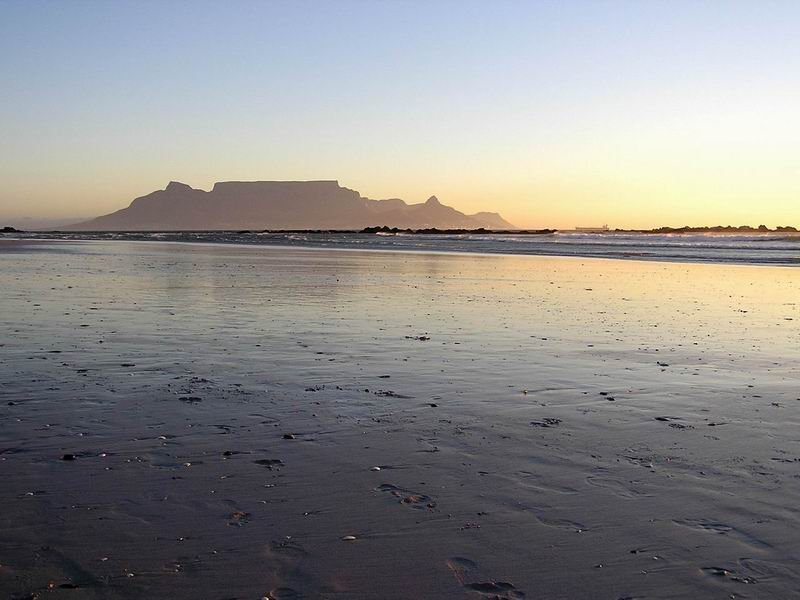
<point x="199" y="421"/>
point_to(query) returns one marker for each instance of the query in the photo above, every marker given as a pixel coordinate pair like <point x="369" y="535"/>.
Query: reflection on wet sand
<point x="285" y="423"/>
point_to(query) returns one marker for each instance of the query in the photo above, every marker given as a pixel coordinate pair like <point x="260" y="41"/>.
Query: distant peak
<point x="174" y="186"/>
<point x="432" y="200"/>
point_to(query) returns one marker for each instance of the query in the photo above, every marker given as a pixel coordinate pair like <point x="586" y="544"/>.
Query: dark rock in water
<point x="546" y="422"/>
<point x="495" y="222"/>
<point x="288" y="436"/>
<point x="68" y="457"/>
<point x="190" y="399"/>
<point x="9" y="230"/>
<point x="419" y="338"/>
<point x="390" y="394"/>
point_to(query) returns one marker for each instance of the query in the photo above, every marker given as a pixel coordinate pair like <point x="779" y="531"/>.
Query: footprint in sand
<point x="282" y="593"/>
<point x="722" y="529"/>
<point x="723" y="573"/>
<point x="408" y="498"/>
<point x="561" y="523"/>
<point x="623" y="489"/>
<point x="284" y="559"/>
<point x="468" y="575"/>
<point x="270" y="463"/>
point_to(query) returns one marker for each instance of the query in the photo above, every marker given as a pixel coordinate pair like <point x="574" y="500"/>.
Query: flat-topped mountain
<point x="232" y="205"/>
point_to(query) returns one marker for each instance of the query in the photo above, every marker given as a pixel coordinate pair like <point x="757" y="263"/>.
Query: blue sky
<point x="632" y="113"/>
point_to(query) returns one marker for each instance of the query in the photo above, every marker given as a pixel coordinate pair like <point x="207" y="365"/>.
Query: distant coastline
<point x="660" y="230"/>
<point x="385" y="229"/>
<point x="715" y="229"/>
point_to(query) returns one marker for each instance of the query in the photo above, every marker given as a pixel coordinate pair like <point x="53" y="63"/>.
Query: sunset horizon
<point x="22" y="219"/>
<point x="636" y="115"/>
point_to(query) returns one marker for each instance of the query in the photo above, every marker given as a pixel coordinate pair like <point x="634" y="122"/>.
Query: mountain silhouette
<point x="236" y="205"/>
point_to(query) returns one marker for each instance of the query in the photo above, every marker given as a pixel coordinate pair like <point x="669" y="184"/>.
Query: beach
<point x="228" y="421"/>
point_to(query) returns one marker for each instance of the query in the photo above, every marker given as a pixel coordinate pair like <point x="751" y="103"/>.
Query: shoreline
<point x="408" y="250"/>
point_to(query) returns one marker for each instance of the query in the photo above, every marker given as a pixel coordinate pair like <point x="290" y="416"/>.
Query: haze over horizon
<point x="633" y="114"/>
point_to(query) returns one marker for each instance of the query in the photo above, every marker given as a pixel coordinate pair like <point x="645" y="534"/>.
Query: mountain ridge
<point x="320" y="204"/>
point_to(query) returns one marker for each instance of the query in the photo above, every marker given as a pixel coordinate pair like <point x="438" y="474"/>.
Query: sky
<point x="555" y="114"/>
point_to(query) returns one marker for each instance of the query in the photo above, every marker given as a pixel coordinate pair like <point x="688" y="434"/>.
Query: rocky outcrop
<point x="234" y="205"/>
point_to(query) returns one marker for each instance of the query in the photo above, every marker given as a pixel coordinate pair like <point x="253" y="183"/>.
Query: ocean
<point x="760" y="249"/>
